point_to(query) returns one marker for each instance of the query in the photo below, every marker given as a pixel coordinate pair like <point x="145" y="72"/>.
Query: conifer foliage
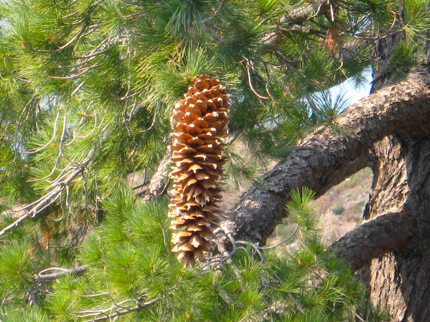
<point x="201" y="125"/>
<point x="87" y="89"/>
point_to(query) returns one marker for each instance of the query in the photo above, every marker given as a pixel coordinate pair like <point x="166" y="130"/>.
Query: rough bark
<point x="326" y="158"/>
<point x="159" y="180"/>
<point x="388" y="232"/>
<point x="308" y="10"/>
<point x="400" y="280"/>
<point x="389" y="130"/>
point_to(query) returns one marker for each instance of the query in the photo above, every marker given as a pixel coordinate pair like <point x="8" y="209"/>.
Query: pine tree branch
<point x="308" y="11"/>
<point x="388" y="232"/>
<point x="215" y="12"/>
<point x="34" y="208"/>
<point x="81" y="33"/>
<point x="114" y="311"/>
<point x="12" y="73"/>
<point x="64" y="8"/>
<point x="293" y="19"/>
<point x="325" y="158"/>
<point x="159" y="182"/>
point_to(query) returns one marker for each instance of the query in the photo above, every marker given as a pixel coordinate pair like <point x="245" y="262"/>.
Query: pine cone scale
<point x="201" y="123"/>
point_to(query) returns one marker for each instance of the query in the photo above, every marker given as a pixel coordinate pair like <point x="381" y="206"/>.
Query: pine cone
<point x="201" y="124"/>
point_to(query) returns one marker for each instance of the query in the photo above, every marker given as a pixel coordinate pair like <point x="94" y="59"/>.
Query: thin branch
<point x="64" y="8"/>
<point x="284" y="240"/>
<point x="37" y="206"/>
<point x="18" y="124"/>
<point x="154" y="119"/>
<point x="60" y="152"/>
<point x="204" y="21"/>
<point x="66" y="45"/>
<point x="94" y="128"/>
<point x="226" y="254"/>
<point x="248" y="71"/>
<point x="133" y="15"/>
<point x="12" y="73"/>
<point x="212" y="34"/>
<point x="43" y="277"/>
<point x="269" y="79"/>
<point x="114" y="311"/>
<point x="81" y="32"/>
<point x="54" y="133"/>
<point x="254" y="246"/>
<point x="78" y="88"/>
<point x="83" y="71"/>
<point x="95" y="295"/>
<point x="78" y="64"/>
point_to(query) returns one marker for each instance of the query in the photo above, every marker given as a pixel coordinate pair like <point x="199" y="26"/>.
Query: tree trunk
<point x="400" y="280"/>
<point x="389" y="130"/>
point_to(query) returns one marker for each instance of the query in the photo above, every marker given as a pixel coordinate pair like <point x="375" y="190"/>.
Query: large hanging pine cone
<point x="201" y="124"/>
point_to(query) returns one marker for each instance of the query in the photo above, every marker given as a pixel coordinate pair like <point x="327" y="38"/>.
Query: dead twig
<point x="43" y="277"/>
<point x="114" y="311"/>
<point x="34" y="208"/>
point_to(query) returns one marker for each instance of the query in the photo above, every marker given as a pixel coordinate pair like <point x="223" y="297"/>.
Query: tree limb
<point x="325" y="158"/>
<point x="32" y="209"/>
<point x="307" y="11"/>
<point x="292" y="21"/>
<point x="159" y="181"/>
<point x="116" y="310"/>
<point x="372" y="239"/>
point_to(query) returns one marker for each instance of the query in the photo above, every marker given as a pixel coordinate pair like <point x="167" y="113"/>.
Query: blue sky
<point x="351" y="91"/>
